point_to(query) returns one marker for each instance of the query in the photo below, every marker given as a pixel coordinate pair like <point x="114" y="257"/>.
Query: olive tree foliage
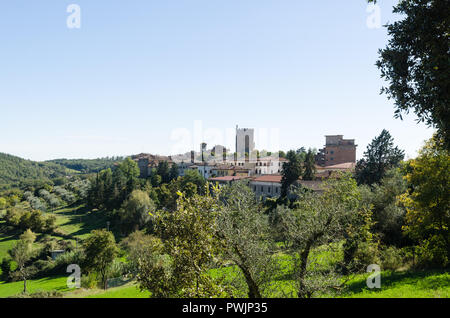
<point x="136" y="211"/>
<point x="100" y="250"/>
<point x="388" y="213"/>
<point x="139" y="247"/>
<point x="245" y="235"/>
<point x="190" y="248"/>
<point x="416" y="62"/>
<point x="318" y="220"/>
<point x="21" y="253"/>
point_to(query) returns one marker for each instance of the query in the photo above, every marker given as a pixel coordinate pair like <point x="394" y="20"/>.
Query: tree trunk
<point x="302" y="293"/>
<point x="253" y="289"/>
<point x="24" y="285"/>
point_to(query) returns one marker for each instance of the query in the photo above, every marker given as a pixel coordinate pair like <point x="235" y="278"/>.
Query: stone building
<point x="245" y="144"/>
<point x="146" y="162"/>
<point x="337" y="150"/>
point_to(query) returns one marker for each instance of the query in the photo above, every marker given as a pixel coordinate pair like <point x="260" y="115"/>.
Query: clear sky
<point x="138" y="70"/>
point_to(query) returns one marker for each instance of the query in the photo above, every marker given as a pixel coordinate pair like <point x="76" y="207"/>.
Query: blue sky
<point x="136" y="71"/>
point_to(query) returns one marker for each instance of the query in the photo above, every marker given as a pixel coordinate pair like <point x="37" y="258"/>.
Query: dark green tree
<point x="292" y="170"/>
<point x="380" y="156"/>
<point x="164" y="171"/>
<point x="309" y="165"/>
<point x="173" y="172"/>
<point x="100" y="250"/>
<point x="416" y="62"/>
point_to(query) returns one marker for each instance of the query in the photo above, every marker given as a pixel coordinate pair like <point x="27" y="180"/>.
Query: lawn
<point x="78" y="221"/>
<point x="34" y="285"/>
<point x="425" y="284"/>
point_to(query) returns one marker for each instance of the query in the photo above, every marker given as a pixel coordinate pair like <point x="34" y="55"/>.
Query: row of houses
<point x="209" y="169"/>
<point x="269" y="186"/>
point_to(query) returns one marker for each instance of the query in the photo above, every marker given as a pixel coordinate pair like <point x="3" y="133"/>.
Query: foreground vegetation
<point x="172" y="236"/>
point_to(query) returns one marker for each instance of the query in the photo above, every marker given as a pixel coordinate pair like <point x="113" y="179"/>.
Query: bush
<point x="432" y="253"/>
<point x="392" y="258"/>
<point x="366" y="254"/>
<point x="34" y="220"/>
<point x="89" y="281"/>
<point x="118" y="269"/>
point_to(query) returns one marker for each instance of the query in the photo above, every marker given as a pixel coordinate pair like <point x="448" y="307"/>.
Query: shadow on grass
<point x="424" y="280"/>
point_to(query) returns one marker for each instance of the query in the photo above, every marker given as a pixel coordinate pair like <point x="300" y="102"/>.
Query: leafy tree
<point x="164" y="171"/>
<point x="3" y="203"/>
<point x="173" y="172"/>
<point x="380" y="156"/>
<point x="194" y="177"/>
<point x="428" y="203"/>
<point x="21" y="253"/>
<point x="318" y="219"/>
<point x="155" y="178"/>
<point x="416" y="65"/>
<point x="244" y="230"/>
<point x="130" y="170"/>
<point x="100" y="251"/>
<point x="136" y="211"/>
<point x="292" y="170"/>
<point x="140" y="247"/>
<point x="309" y="165"/>
<point x="190" y="246"/>
<point x="388" y="214"/>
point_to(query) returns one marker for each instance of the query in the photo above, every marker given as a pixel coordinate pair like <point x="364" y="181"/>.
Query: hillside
<point x="87" y="165"/>
<point x="15" y="171"/>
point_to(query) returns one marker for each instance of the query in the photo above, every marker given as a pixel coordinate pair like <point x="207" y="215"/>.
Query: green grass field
<point x="78" y="221"/>
<point x="427" y="284"/>
<point x="34" y="285"/>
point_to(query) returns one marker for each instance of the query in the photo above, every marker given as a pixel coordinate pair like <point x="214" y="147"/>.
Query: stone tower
<point x="245" y="143"/>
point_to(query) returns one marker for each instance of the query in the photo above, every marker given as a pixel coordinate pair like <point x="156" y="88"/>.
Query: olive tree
<point x="100" y="251"/>
<point x="244" y="231"/>
<point x="21" y="253"/>
<point x="317" y="220"/>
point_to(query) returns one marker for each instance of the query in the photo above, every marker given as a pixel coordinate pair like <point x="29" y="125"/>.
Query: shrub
<point x="366" y="254"/>
<point x="89" y="281"/>
<point x="392" y="258"/>
<point x="432" y="253"/>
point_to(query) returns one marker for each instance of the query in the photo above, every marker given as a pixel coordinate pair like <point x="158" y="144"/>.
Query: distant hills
<point x="16" y="171"/>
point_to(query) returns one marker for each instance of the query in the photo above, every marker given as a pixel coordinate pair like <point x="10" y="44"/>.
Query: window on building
<point x="262" y="188"/>
<point x="268" y="189"/>
<point x="331" y="158"/>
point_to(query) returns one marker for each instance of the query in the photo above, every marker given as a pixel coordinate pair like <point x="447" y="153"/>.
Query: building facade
<point x="337" y="150"/>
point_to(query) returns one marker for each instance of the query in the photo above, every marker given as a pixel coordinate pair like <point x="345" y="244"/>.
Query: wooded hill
<point x="16" y="171"/>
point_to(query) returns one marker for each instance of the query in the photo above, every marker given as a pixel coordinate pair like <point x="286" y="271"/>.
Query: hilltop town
<point x="262" y="171"/>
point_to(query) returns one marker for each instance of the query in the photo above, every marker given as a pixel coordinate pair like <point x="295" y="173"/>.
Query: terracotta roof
<point x="269" y="178"/>
<point x="345" y="165"/>
<point x="227" y="178"/>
